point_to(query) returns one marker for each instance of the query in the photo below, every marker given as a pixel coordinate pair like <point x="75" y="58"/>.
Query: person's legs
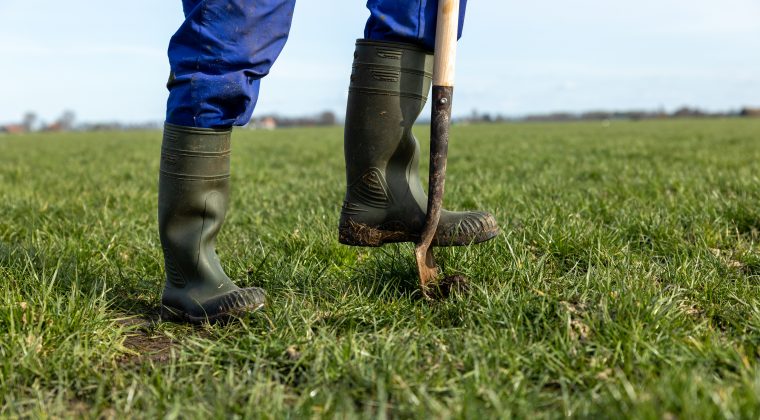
<point x="217" y="58"/>
<point x="385" y="201"/>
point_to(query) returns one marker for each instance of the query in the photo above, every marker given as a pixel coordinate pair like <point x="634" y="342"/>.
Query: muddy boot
<point x="385" y="201"/>
<point x="192" y="201"/>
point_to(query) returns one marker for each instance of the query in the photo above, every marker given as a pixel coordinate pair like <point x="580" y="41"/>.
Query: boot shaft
<point x="201" y="154"/>
<point x="389" y="87"/>
<point x="193" y="196"/>
<point x="390" y="68"/>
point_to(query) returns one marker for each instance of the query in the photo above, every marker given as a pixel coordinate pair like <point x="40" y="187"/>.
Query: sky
<point x="106" y="60"/>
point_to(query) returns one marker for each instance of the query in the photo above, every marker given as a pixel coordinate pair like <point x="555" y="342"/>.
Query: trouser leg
<point x="218" y="57"/>
<point x="411" y="22"/>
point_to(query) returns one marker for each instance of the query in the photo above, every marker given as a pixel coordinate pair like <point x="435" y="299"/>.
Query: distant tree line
<point x="632" y="115"/>
<point x="67" y="120"/>
<point x="30" y="122"/>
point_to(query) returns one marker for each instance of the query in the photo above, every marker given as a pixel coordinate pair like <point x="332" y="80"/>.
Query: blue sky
<point x="107" y="60"/>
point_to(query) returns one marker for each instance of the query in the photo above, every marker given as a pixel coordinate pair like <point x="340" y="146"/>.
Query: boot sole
<point x="358" y="234"/>
<point x="169" y="314"/>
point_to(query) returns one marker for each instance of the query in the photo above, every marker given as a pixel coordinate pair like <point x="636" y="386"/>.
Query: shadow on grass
<point x="135" y="299"/>
<point x="389" y="274"/>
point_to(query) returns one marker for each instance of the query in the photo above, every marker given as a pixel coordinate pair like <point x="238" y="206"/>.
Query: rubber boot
<point x="385" y="201"/>
<point x="193" y="194"/>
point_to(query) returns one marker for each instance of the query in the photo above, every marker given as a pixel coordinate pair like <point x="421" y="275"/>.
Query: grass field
<point x="626" y="281"/>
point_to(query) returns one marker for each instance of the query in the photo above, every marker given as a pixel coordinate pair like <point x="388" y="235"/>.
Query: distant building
<point x="13" y="129"/>
<point x="264" y="123"/>
<point x="268" y="123"/>
<point x="55" y="127"/>
<point x="750" y="112"/>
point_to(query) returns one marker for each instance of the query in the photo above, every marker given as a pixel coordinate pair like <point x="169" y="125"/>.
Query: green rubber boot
<point x="385" y="201"/>
<point x="193" y="193"/>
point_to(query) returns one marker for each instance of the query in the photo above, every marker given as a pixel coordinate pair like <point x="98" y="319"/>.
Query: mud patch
<point x="143" y="344"/>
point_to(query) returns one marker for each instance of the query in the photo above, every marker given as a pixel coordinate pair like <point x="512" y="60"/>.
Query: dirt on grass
<point x="144" y="344"/>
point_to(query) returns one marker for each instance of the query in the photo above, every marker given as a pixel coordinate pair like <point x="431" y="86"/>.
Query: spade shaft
<point x="443" y="89"/>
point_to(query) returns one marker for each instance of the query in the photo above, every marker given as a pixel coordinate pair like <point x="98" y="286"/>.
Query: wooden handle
<point x="446" y="42"/>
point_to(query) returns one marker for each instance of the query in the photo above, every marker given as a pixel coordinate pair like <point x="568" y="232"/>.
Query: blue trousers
<point x="225" y="47"/>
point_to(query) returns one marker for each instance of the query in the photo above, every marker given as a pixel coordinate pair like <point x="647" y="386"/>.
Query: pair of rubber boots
<point x="384" y="203"/>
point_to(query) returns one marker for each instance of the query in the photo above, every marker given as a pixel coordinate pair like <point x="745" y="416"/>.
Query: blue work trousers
<point x="225" y="47"/>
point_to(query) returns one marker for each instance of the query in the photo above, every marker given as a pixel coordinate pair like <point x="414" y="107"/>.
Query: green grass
<point x="626" y="281"/>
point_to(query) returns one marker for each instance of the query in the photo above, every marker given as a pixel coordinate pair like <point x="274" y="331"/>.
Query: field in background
<point x="626" y="281"/>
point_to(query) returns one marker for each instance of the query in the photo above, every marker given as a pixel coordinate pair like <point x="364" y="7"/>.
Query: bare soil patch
<point x="144" y="343"/>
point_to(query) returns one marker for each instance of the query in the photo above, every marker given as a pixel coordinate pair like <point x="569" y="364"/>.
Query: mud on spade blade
<point x="432" y="283"/>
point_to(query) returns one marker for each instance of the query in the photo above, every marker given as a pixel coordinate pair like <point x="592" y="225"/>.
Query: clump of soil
<point x="448" y="286"/>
